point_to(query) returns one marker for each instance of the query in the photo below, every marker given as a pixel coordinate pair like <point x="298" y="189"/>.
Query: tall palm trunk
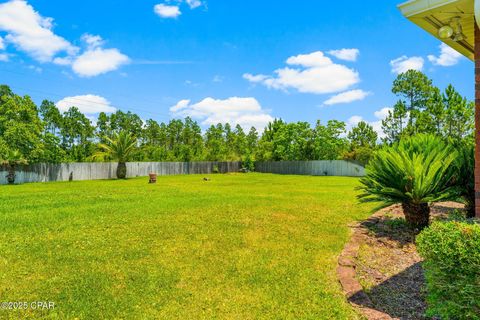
<point x="122" y="170"/>
<point x="417" y="215"/>
<point x="11" y="174"/>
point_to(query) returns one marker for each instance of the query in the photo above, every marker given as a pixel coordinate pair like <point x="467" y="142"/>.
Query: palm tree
<point x="415" y="172"/>
<point x="11" y="160"/>
<point x="121" y="148"/>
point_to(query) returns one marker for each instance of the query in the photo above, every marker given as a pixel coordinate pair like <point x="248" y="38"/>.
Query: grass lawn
<point x="241" y="246"/>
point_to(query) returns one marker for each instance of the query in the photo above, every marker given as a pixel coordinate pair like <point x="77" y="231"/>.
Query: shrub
<point x="457" y="215"/>
<point x="414" y="172"/>
<point x="465" y="177"/>
<point x="363" y="155"/>
<point x="215" y="169"/>
<point x="248" y="163"/>
<point x="452" y="268"/>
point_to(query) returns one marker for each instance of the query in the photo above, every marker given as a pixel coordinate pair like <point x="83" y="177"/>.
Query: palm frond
<point x="120" y="147"/>
<point x="13" y="158"/>
<point x="416" y="170"/>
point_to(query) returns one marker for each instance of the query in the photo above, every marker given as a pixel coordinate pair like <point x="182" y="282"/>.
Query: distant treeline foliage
<point x="44" y="134"/>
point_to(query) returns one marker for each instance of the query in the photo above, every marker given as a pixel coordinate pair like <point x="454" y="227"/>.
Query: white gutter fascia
<point x="415" y="7"/>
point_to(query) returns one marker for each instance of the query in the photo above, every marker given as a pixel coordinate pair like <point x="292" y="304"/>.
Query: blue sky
<point x="240" y="61"/>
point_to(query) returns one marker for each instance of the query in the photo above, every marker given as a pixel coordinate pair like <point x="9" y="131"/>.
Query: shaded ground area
<point x="388" y="266"/>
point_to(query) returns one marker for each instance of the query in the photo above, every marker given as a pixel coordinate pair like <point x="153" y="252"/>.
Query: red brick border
<point x="347" y="275"/>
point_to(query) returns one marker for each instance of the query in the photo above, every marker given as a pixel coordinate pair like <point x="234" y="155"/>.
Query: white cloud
<point x="246" y="112"/>
<point x="88" y="104"/>
<point x="404" y="63"/>
<point x="63" y="61"/>
<point x="30" y="32"/>
<point x="314" y="59"/>
<point x="448" y="57"/>
<point x="376" y="124"/>
<point x="217" y="78"/>
<point x="347" y="97"/>
<point x="98" y="61"/>
<point x="353" y="121"/>
<point x="35" y="68"/>
<point x="316" y="74"/>
<point x="382" y="113"/>
<point x="95" y="60"/>
<point x="3" y="56"/>
<point x="194" y="3"/>
<point x="345" y="54"/>
<point x="255" y="78"/>
<point x="192" y="84"/>
<point x="166" y="11"/>
<point x="92" y="41"/>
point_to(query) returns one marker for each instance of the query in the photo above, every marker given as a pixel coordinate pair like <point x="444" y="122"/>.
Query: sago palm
<point x="120" y="148"/>
<point x="414" y="172"/>
<point x="11" y="159"/>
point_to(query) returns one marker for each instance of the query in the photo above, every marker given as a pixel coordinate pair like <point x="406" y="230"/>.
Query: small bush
<point x="452" y="269"/>
<point x="395" y="223"/>
<point x="362" y="155"/>
<point x="465" y="177"/>
<point x="458" y="216"/>
<point x="248" y="163"/>
<point x="215" y="169"/>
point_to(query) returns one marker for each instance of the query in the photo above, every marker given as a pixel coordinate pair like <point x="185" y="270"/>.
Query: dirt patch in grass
<point x="388" y="266"/>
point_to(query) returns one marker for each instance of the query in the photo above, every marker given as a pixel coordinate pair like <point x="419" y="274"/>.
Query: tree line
<point x="44" y="134"/>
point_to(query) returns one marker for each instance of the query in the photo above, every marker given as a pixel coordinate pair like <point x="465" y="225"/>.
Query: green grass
<point x="241" y="246"/>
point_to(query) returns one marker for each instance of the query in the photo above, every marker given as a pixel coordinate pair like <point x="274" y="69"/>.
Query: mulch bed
<point x="380" y="269"/>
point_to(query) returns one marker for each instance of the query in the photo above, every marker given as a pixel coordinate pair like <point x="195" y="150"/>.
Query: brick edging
<point x="346" y="273"/>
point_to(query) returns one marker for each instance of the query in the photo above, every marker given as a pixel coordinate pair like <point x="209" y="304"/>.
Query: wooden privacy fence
<point x="46" y="172"/>
<point x="313" y="168"/>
